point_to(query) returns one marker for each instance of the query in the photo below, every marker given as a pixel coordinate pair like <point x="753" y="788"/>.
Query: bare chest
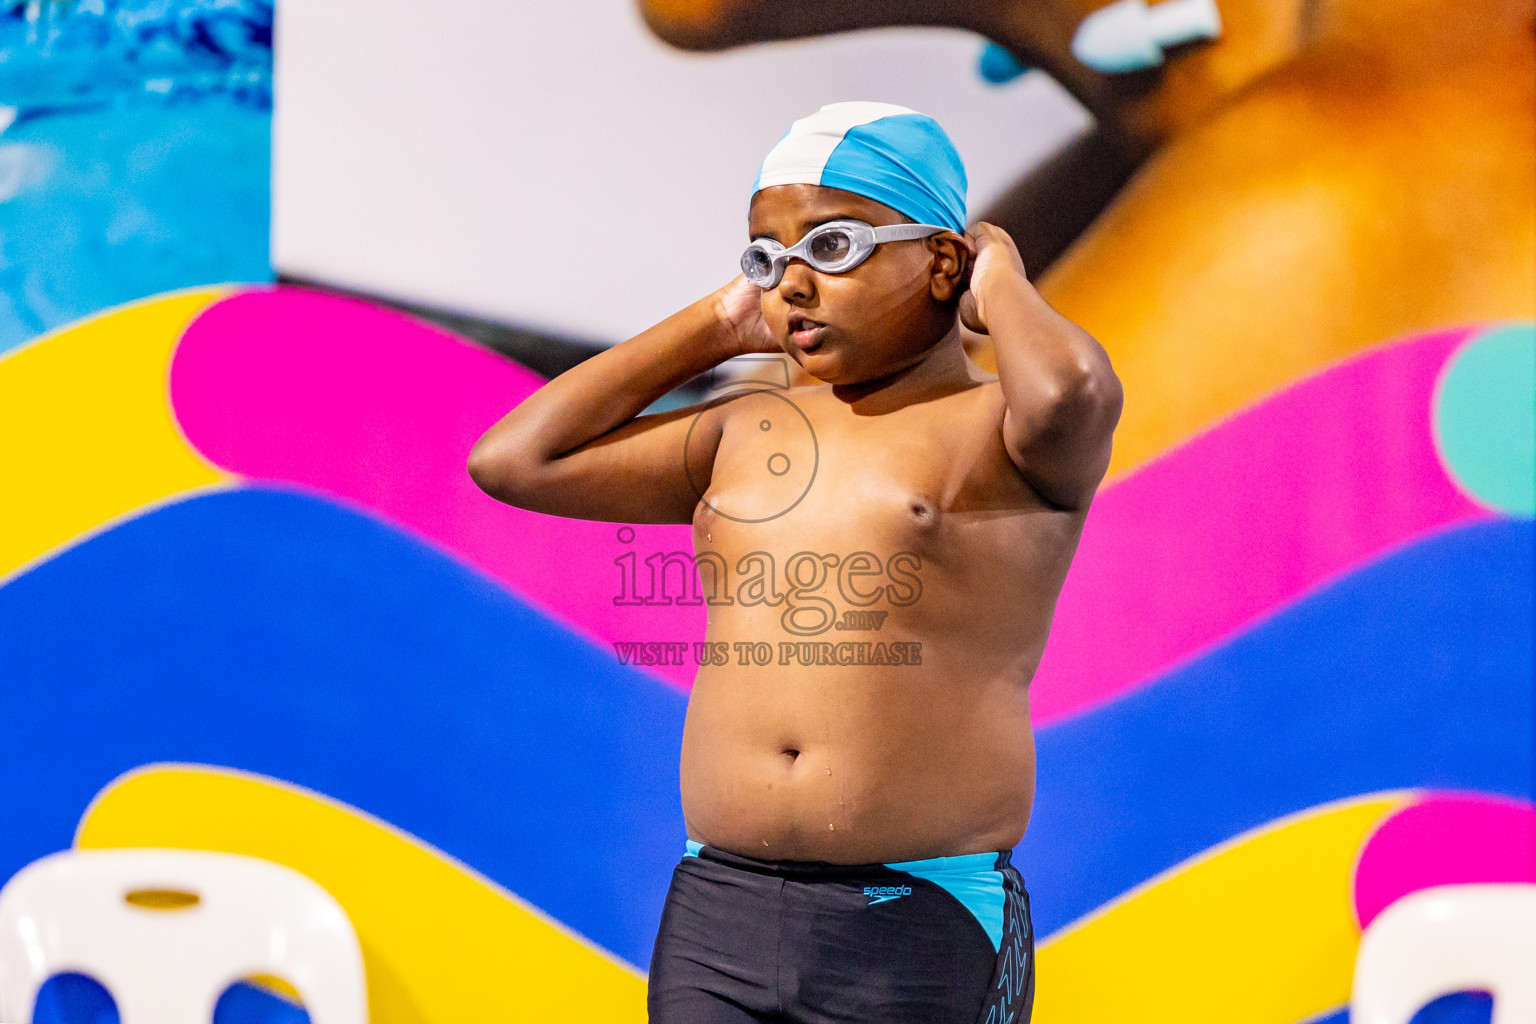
<point x="932" y="486"/>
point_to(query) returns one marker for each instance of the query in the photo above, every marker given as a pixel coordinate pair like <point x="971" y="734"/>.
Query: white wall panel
<point x="555" y="166"/>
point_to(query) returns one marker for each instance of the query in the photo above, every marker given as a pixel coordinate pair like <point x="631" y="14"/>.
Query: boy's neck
<point x="941" y="370"/>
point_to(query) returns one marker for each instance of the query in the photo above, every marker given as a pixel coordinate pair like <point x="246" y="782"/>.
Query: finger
<point x="995" y="235"/>
<point x="998" y="236"/>
<point x="1013" y="251"/>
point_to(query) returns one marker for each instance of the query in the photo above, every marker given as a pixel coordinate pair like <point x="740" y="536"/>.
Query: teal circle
<point x="1485" y="419"/>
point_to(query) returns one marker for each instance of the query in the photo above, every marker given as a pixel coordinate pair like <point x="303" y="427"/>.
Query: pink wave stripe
<point x="1229" y="526"/>
<point x="1445" y="839"/>
<point x="372" y="407"/>
<point x="379" y="410"/>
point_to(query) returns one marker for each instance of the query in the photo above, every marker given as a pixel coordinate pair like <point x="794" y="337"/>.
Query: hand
<point x="996" y="258"/>
<point x="739" y="308"/>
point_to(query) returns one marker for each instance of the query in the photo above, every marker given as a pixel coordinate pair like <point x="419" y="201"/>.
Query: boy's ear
<point x="951" y="265"/>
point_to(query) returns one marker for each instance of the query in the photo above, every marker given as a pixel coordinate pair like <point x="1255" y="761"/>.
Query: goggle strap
<point x="902" y="232"/>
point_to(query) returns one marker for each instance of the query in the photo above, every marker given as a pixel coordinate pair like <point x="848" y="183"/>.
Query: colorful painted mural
<point x="1255" y="207"/>
<point x="253" y="603"/>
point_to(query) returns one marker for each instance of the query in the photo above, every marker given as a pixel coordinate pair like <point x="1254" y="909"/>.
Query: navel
<point x="923" y="509"/>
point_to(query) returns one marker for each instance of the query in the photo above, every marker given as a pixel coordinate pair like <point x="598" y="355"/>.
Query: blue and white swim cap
<point x="887" y="153"/>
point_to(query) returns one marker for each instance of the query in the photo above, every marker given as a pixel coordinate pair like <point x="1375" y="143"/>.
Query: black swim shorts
<point x="940" y="941"/>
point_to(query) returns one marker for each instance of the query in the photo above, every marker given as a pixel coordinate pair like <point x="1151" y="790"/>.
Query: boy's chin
<point x="825" y="365"/>
<point x="833" y="370"/>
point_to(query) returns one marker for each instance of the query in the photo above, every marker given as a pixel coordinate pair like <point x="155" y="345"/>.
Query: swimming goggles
<point x="832" y="248"/>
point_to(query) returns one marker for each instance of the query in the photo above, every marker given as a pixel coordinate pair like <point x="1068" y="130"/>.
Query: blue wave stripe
<point x="1414" y="671"/>
<point x="282" y="634"/>
<point x="285" y="635"/>
<point x="1456" y="1008"/>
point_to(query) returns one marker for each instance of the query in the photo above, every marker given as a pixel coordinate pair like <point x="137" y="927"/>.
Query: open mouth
<point x="805" y="332"/>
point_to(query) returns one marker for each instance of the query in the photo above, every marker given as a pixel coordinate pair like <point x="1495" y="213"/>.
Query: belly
<point x="856" y="764"/>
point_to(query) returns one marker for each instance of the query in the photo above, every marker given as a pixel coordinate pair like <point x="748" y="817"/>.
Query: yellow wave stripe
<point x="441" y="944"/>
<point x="1259" y="930"/>
<point x="86" y="431"/>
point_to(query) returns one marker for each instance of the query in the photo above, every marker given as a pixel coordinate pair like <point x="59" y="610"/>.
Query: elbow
<point x="1104" y="395"/>
<point x="1085" y="390"/>
<point x="496" y="471"/>
<point x="481" y="468"/>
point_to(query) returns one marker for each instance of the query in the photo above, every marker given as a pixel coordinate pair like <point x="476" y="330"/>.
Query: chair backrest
<point x="167" y="931"/>
<point x="1447" y="939"/>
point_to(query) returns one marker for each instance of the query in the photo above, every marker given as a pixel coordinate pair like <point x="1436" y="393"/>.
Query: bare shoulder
<point x="969" y="423"/>
<point x="776" y="416"/>
<point x="977" y="409"/>
<point x="745" y="402"/>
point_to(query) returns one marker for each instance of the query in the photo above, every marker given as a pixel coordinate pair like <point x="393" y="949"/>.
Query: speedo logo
<point x="886" y="893"/>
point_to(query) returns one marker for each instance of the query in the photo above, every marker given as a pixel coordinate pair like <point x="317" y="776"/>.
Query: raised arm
<point x="578" y="448"/>
<point x="1061" y="396"/>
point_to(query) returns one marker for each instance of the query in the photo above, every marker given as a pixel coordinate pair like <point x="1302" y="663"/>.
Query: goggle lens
<point x="756" y="265"/>
<point x="830" y="246"/>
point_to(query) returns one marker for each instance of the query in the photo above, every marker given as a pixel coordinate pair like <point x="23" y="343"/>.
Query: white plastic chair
<point x="1447" y="939"/>
<point x="92" y="911"/>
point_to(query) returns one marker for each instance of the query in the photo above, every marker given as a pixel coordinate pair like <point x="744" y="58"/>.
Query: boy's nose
<point x="798" y="282"/>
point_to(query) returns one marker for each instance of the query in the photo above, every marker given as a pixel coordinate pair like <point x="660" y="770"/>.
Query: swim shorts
<point x="940" y="941"/>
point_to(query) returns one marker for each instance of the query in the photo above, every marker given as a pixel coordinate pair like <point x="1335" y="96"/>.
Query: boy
<point x="851" y="798"/>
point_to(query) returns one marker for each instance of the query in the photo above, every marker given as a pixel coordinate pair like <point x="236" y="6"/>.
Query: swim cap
<point x="887" y="153"/>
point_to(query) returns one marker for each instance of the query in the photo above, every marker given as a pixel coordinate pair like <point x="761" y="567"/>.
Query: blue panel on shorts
<point x="971" y="878"/>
